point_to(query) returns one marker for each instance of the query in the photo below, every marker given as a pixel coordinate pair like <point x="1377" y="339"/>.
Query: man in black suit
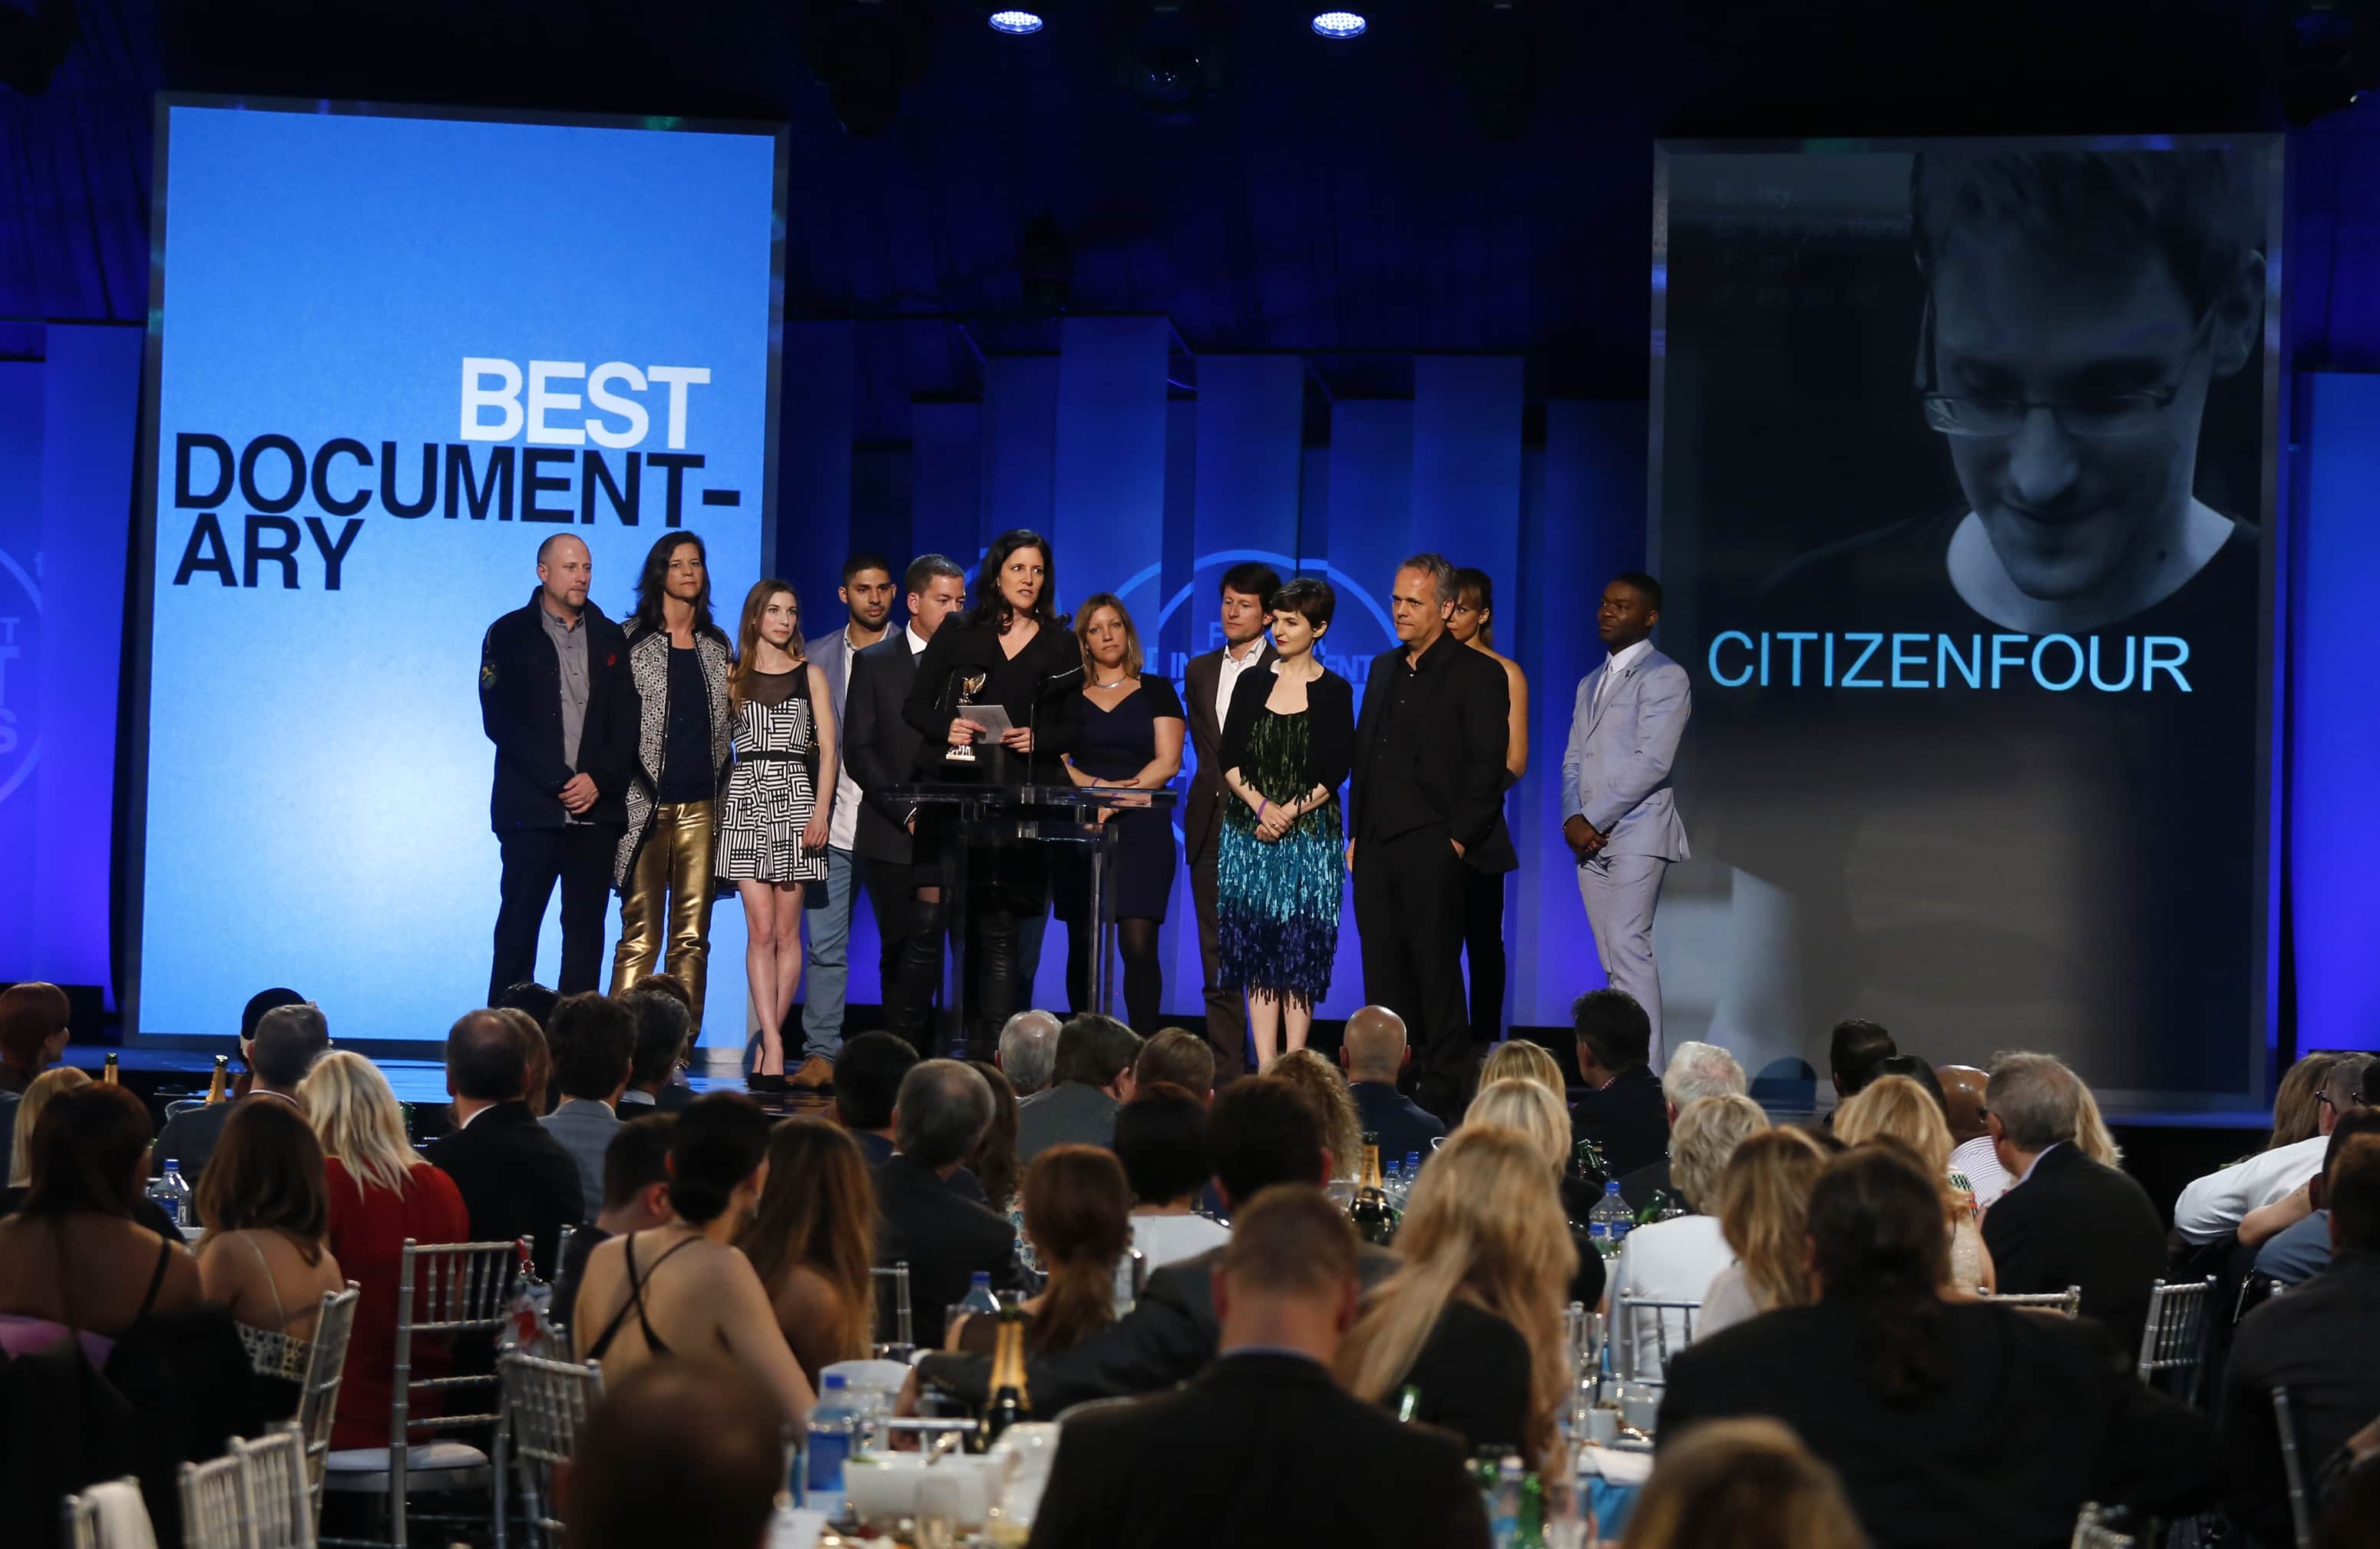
<point x="945" y="1237"/>
<point x="275" y="1066"/>
<point x="881" y="753"/>
<point x="1622" y="1110"/>
<point x="1428" y="790"/>
<point x="516" y="1179"/>
<point x="1375" y="1052"/>
<point x="1259" y="1132"/>
<point x="556" y="700"/>
<point x="868" y="1072"/>
<point x="1209" y="681"/>
<point x="1286" y="1291"/>
<point x="2067" y="1220"/>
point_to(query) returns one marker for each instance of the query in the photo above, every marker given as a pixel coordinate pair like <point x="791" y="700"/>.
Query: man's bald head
<point x="1963" y="1089"/>
<point x="1375" y="1046"/>
<point x="565" y="570"/>
<point x="487" y="1058"/>
<point x="566" y="544"/>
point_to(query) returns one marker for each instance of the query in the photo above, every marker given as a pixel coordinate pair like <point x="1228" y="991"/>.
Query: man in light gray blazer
<point x="593" y="1039"/>
<point x="1620" y="818"/>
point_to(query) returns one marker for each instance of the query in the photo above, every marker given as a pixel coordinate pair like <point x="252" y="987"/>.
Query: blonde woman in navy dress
<point x="772" y="823"/>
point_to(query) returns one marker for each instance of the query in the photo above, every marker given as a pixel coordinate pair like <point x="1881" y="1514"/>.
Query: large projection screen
<point x="391" y="352"/>
<point x="1963" y="498"/>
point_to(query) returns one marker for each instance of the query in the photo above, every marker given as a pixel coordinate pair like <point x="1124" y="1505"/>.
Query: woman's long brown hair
<point x="266" y="1174"/>
<point x="1077" y="1211"/>
<point x="818" y="1212"/>
<point x="747" y="636"/>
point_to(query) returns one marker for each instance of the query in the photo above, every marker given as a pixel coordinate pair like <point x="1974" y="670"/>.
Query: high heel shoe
<point x="754" y="1080"/>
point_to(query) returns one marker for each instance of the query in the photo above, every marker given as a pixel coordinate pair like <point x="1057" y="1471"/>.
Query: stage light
<point x="1338" y="25"/>
<point x="1016" y="24"/>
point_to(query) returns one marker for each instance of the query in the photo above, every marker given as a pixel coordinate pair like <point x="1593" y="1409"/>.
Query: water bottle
<point x="1608" y="1223"/>
<point x="173" y="1195"/>
<point x="1393" y="1184"/>
<point x="979" y="1298"/>
<point x="1412" y="1169"/>
<point x="1504" y="1512"/>
<point x="826" y="1447"/>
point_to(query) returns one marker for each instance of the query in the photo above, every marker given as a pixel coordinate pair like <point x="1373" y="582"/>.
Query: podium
<point x="973" y="815"/>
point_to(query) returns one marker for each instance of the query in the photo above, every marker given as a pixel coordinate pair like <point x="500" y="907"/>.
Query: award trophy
<point x="968" y="685"/>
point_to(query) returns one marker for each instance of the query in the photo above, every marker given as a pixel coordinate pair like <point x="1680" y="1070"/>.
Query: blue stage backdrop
<point x="392" y="353"/>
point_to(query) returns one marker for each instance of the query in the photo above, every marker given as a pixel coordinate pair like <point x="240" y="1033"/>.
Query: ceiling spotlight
<point x="1016" y="24"/>
<point x="1338" y="25"/>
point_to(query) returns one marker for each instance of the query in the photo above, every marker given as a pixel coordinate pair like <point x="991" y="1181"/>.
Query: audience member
<point x="1180" y="1057"/>
<point x="378" y="1192"/>
<point x="267" y="1216"/>
<point x="867" y="1074"/>
<point x="1622" y="1110"/>
<point x="636" y="1197"/>
<point x="1261" y="1132"/>
<point x="705" y="1426"/>
<point x="1965" y="1422"/>
<point x="28" y="1117"/>
<point x="938" y="1117"/>
<point x="2213" y="1207"/>
<point x="1029" y="1051"/>
<point x="2067" y="1220"/>
<point x="1763" y="1205"/>
<point x="1676" y="1260"/>
<point x="1741" y="1484"/>
<point x="1160" y="1139"/>
<point x="664" y="1028"/>
<point x="279" y="1049"/>
<point x="1898" y="1108"/>
<point x="2295" y="1234"/>
<point x="537" y="1056"/>
<point x="991" y="1172"/>
<point x="1093" y="1077"/>
<point x="1308" y="1073"/>
<point x="1854" y="1051"/>
<point x="2296" y="1103"/>
<point x="1517" y="1102"/>
<point x="1972" y="1155"/>
<point x="813" y="1243"/>
<point x="2091" y="1135"/>
<point x="683" y="1289"/>
<point x="594" y="1042"/>
<point x="1518" y="1058"/>
<point x="2351" y="1512"/>
<point x="1472" y="1316"/>
<point x="1077" y="1216"/>
<point x="535" y="1000"/>
<point x="516" y="1179"/>
<point x="1375" y="1054"/>
<point x="2321" y="1342"/>
<point x="1696" y="1072"/>
<point x="1264" y="1445"/>
<point x="33" y="1031"/>
<point x="73" y="1258"/>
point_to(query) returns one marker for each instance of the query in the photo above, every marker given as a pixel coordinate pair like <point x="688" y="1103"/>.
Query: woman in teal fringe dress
<point x="1287" y="747"/>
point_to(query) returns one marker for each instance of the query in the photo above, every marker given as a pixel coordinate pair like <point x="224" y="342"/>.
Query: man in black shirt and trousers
<point x="1427" y="789"/>
<point x="557" y="701"/>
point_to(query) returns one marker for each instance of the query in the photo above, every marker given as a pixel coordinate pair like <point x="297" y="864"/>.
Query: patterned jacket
<point x="648" y="670"/>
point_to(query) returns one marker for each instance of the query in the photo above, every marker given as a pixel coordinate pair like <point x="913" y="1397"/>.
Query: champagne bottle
<point x="1376" y="1219"/>
<point x="1009" y="1402"/>
<point x="107" y="1072"/>
<point x="218" y="1085"/>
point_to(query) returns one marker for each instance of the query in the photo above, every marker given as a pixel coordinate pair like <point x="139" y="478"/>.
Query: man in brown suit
<point x="1209" y="683"/>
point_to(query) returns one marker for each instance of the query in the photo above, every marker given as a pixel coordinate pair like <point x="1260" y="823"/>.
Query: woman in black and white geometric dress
<point x="772" y="822"/>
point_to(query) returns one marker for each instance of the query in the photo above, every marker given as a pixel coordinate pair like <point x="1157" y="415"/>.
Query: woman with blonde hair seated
<point x="1518" y="1103"/>
<point x="1529" y="1062"/>
<point x="1763" y="1207"/>
<point x="1896" y="1107"/>
<point x="1676" y="1260"/>
<point x="1741" y="1484"/>
<point x="1472" y="1321"/>
<point x="1322" y="1085"/>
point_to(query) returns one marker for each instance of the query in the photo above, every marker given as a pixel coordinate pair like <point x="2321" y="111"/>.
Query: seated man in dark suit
<point x="1092" y="1080"/>
<point x="636" y="1198"/>
<point x="1950" y="1423"/>
<point x="2067" y="1220"/>
<point x="946" y="1239"/>
<point x="1296" y="1450"/>
<point x="516" y="1179"/>
<point x="868" y="1070"/>
<point x="2321" y="1342"/>
<point x="189" y="1137"/>
<point x="664" y="1027"/>
<point x="1621" y="1109"/>
<point x="1261" y="1132"/>
<point x="1375" y="1052"/>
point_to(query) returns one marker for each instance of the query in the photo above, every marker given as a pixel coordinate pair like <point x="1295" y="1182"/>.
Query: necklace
<point x="1117" y="684"/>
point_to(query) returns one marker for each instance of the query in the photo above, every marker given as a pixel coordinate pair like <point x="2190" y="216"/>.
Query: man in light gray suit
<point x="1620" y="817"/>
<point x="867" y="596"/>
<point x="594" y="1041"/>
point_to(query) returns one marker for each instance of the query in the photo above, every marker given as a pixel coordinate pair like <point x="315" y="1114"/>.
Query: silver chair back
<point x="85" y="1526"/>
<point x="318" y="1405"/>
<point x="2293" y="1471"/>
<point x="215" y="1506"/>
<point x="281" y="1504"/>
<point x="904" y="1330"/>
<point x="1669" y="1329"/>
<point x="546" y="1403"/>
<point x="2068" y="1302"/>
<point x="2174" y="1339"/>
<point x="2092" y="1532"/>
